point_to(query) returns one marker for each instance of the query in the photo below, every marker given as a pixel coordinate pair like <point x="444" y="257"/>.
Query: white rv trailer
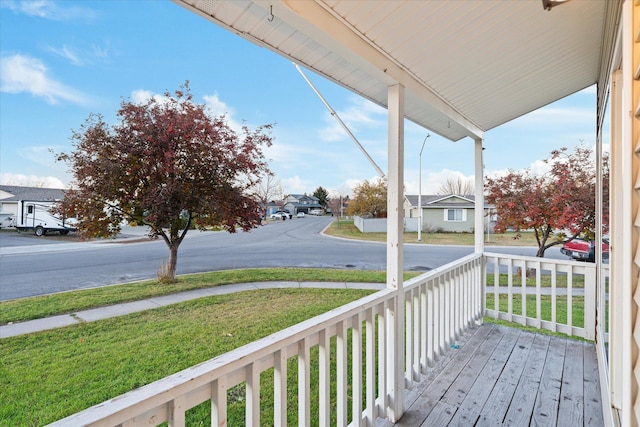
<point x="35" y="215"/>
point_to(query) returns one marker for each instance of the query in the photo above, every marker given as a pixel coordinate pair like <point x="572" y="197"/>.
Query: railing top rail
<point x="542" y="260"/>
<point x="441" y="270"/>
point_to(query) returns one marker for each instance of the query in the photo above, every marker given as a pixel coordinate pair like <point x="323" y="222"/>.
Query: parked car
<point x="584" y="250"/>
<point x="285" y="214"/>
<point x="315" y="212"/>
<point x="300" y="215"/>
<point x="280" y="215"/>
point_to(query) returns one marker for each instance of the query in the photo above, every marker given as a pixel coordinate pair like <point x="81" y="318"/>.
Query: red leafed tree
<point x="167" y="164"/>
<point x="556" y="204"/>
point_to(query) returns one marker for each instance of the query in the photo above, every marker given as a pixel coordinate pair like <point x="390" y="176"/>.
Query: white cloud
<point x="42" y="155"/>
<point x="361" y="113"/>
<point x="140" y="96"/>
<point x="48" y="9"/>
<point x="433" y="180"/>
<point x="83" y="54"/>
<point x="537" y="167"/>
<point x="217" y="107"/>
<point x="67" y="53"/>
<point x="20" y="73"/>
<point x="30" y="180"/>
<point x="295" y="185"/>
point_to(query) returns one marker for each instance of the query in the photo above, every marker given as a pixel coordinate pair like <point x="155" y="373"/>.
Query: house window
<point x="455" y="214"/>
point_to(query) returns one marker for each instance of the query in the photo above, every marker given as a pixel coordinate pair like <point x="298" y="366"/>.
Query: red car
<point x="583" y="250"/>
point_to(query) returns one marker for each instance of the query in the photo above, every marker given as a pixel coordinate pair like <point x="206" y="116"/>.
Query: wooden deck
<point x="505" y="376"/>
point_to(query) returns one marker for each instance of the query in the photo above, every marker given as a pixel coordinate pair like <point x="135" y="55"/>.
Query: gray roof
<point x="32" y="193"/>
<point x="444" y="201"/>
<point x="303" y="196"/>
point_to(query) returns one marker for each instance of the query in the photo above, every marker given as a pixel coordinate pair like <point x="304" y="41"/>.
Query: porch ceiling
<point x="467" y="66"/>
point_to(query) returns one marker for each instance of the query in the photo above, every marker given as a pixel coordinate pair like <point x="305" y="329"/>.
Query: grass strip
<point x="69" y="302"/>
<point x="346" y="229"/>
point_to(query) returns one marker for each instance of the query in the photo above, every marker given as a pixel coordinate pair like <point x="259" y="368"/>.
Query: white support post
<point x="395" y="315"/>
<point x="479" y="203"/>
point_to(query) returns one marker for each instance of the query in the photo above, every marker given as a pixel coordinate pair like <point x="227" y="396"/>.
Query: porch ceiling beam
<point x="323" y="26"/>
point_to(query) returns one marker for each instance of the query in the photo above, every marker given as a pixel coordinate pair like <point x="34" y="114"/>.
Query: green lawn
<point x="49" y="375"/>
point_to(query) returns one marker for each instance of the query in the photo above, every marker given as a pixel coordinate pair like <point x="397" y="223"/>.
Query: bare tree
<point x="268" y="189"/>
<point x="460" y="186"/>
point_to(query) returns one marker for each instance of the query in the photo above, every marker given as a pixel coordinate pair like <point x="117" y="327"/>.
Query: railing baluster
<point x="383" y="393"/>
<point x="176" y="412"/>
<point x="523" y="289"/>
<point x="430" y="330"/>
<point x="409" y="341"/>
<point x="570" y="298"/>
<point x="304" y="383"/>
<point x="252" y="410"/>
<point x="370" y="354"/>
<point x="424" y="325"/>
<point x="448" y="316"/>
<point x="554" y="297"/>
<point x="219" y="402"/>
<point x="510" y="289"/>
<point x="341" y="373"/>
<point x="496" y="285"/>
<point x="442" y="316"/>
<point x="280" y="388"/>
<point x="324" y="362"/>
<point x="415" y="376"/>
<point x="538" y="294"/>
<point x="356" y="371"/>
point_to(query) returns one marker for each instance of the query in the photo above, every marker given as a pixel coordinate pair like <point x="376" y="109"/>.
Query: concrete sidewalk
<point x="54" y="322"/>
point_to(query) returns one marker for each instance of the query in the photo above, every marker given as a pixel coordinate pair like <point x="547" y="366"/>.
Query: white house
<point x="449" y="213"/>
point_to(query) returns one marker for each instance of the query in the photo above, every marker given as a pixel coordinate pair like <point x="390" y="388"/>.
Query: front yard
<point x="346" y="229"/>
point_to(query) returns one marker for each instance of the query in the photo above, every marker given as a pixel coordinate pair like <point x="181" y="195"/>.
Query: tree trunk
<point x="173" y="261"/>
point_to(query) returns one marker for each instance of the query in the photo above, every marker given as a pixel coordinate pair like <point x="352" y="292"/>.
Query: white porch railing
<point x="439" y="306"/>
<point x="569" y="288"/>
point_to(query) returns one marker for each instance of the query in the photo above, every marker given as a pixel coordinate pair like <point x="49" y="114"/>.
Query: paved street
<point x="33" y="266"/>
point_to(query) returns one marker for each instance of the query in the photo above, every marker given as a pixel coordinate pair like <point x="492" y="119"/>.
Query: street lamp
<point x="420" y="191"/>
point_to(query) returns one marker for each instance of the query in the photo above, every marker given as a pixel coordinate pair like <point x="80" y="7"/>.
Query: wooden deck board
<point x="521" y="407"/>
<point x="593" y="415"/>
<point x="545" y="410"/>
<point x="447" y="373"/>
<point x="469" y="410"/>
<point x="571" y="409"/>
<point x="504" y="376"/>
<point x="498" y="403"/>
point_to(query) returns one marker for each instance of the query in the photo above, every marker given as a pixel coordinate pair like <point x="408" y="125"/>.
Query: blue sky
<point x="62" y="60"/>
